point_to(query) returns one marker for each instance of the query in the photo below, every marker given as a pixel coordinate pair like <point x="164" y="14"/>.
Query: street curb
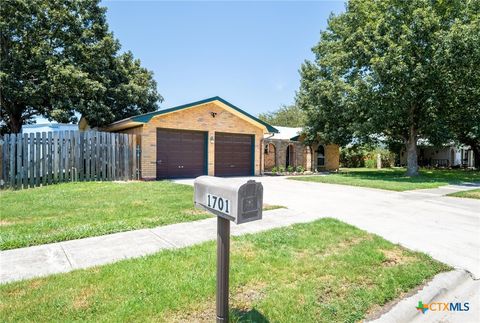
<point x="404" y="310"/>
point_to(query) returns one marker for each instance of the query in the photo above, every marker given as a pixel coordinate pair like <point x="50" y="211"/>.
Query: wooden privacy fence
<point x="35" y="159"/>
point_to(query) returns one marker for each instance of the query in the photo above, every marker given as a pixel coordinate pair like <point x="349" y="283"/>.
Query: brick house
<point x="210" y="136"/>
<point x="286" y="148"/>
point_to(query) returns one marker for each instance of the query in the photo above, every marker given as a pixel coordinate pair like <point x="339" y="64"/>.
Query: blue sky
<point x="247" y="52"/>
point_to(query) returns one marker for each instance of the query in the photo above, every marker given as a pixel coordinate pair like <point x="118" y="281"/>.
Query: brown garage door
<point x="181" y="153"/>
<point x="233" y="154"/>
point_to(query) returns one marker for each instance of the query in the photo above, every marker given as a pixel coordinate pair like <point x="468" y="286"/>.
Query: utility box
<point x="229" y="199"/>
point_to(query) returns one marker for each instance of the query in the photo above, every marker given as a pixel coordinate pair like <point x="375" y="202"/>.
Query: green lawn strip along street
<point x="394" y="179"/>
<point x="78" y="210"/>
<point x="471" y="194"/>
<point x="323" y="271"/>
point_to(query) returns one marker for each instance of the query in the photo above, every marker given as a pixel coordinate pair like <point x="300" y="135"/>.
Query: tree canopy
<point x="286" y="116"/>
<point x="458" y="63"/>
<point x="58" y="58"/>
<point x="376" y="75"/>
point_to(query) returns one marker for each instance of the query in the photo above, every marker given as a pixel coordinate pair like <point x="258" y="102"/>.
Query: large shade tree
<point x="374" y="75"/>
<point x="286" y="116"/>
<point x="58" y="57"/>
<point x="458" y="61"/>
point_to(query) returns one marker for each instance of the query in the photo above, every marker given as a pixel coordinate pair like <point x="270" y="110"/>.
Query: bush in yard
<point x="281" y="169"/>
<point x="290" y="169"/>
<point x="364" y="156"/>
<point x="300" y="169"/>
<point x="387" y="157"/>
<point x="370" y="163"/>
<point x="274" y="169"/>
<point x="352" y="157"/>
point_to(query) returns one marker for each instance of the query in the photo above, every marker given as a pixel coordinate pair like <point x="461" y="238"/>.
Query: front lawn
<point x="471" y="194"/>
<point x="77" y="210"/>
<point x="394" y="179"/>
<point x="325" y="271"/>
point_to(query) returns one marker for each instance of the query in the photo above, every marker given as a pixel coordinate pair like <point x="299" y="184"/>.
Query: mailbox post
<point x="232" y="201"/>
<point x="223" y="268"/>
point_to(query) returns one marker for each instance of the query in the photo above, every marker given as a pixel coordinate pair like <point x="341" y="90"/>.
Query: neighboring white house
<point x="446" y="156"/>
<point x="49" y="127"/>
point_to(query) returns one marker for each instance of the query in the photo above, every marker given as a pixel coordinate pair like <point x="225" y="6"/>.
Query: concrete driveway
<point x="446" y="228"/>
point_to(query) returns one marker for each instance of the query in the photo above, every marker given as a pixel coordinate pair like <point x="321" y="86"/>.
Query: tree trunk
<point x="412" y="159"/>
<point x="15" y="123"/>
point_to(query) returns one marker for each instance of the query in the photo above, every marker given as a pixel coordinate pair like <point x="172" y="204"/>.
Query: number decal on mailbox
<point x="218" y="203"/>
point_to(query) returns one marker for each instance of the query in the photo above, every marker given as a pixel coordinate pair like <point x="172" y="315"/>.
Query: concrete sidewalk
<point x="446" y="228"/>
<point x="66" y="256"/>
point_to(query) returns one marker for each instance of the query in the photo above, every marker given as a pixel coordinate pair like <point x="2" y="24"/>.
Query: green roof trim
<point x="144" y="118"/>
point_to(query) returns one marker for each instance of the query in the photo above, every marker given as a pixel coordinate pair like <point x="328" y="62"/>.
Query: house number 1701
<point x="218" y="203"/>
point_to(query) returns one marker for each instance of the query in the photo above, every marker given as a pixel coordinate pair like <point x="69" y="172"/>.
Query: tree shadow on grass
<point x="247" y="316"/>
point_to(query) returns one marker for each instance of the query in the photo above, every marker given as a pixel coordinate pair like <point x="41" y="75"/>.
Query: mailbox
<point x="236" y="201"/>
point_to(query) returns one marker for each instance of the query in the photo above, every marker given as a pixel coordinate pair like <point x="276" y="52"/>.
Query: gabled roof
<point x="144" y="118"/>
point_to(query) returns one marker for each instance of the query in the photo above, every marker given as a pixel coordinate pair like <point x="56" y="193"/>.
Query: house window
<point x="320" y="157"/>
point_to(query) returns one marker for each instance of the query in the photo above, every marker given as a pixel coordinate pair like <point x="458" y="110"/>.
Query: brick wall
<point x="303" y="156"/>
<point x="332" y="157"/>
<point x="196" y="118"/>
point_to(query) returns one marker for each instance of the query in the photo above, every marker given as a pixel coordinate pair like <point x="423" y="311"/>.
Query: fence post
<point x="4" y="163"/>
<point x="88" y="156"/>
<point x="126" y="143"/>
<point x="13" y="154"/>
<point x="131" y="156"/>
<point x="138" y="153"/>
<point x="37" y="159"/>
<point x="25" y="160"/>
<point x="109" y="156"/>
<point x="113" y="138"/>
<point x="49" y="160"/>
<point x="8" y="159"/>
<point x="63" y="156"/>
<point x="44" y="158"/>
<point x="97" y="155"/>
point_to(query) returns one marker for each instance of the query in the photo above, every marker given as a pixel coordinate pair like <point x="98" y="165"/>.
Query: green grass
<point x="394" y="179"/>
<point x="77" y="210"/>
<point x="325" y="271"/>
<point x="471" y="194"/>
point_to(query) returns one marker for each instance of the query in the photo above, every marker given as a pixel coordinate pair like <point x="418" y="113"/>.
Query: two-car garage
<point x="184" y="154"/>
<point x="207" y="137"/>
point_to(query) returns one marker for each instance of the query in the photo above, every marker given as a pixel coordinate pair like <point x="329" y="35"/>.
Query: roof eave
<point x="126" y="124"/>
<point x="144" y="118"/>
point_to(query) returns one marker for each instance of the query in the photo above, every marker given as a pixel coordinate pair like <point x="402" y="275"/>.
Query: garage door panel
<point x="181" y="152"/>
<point x="233" y="154"/>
